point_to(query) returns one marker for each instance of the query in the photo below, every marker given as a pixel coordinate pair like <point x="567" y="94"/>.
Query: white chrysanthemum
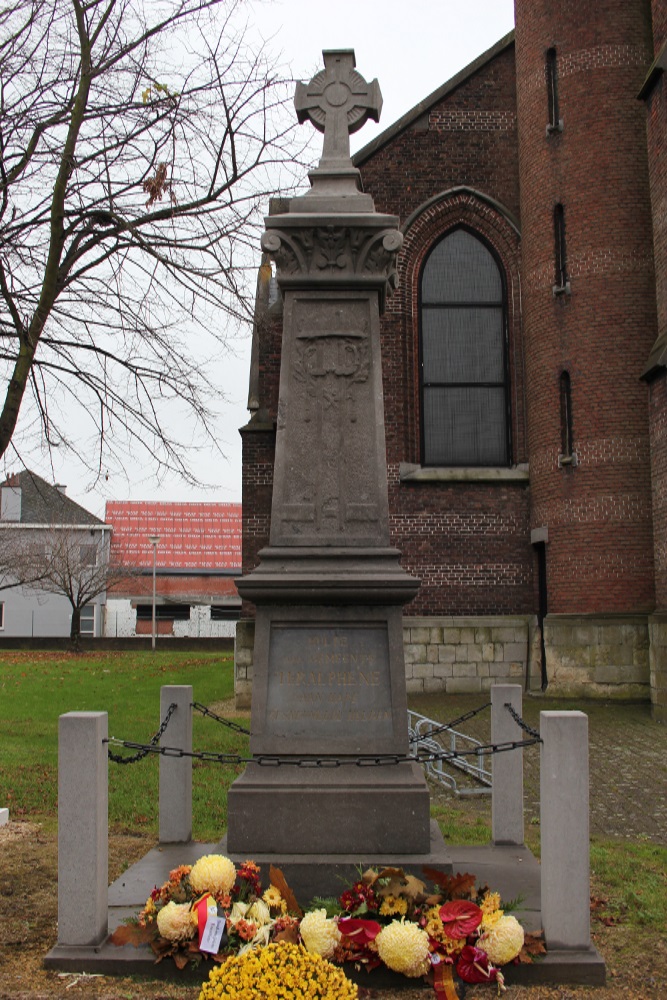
<point x="403" y="947"/>
<point x="319" y="934"/>
<point x="213" y="873"/>
<point x="259" y="913"/>
<point x="177" y="922"/>
<point x="239" y="912"/>
<point x="503" y="941"/>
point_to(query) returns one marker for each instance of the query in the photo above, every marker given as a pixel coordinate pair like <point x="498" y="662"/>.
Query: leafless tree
<point x="139" y="142"/>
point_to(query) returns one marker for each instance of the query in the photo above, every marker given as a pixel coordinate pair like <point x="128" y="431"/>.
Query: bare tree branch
<point x="139" y="144"/>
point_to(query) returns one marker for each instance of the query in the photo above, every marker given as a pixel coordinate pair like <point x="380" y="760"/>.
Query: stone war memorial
<point x="329" y="679"/>
<point x="333" y="782"/>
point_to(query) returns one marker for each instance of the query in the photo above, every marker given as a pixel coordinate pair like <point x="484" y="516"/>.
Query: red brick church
<point x="524" y="361"/>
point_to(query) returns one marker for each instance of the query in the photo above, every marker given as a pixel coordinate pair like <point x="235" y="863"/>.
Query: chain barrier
<point x="430" y="733"/>
<point x="522" y="724"/>
<point x="145" y="748"/>
<point x="274" y="760"/>
<point x="218" y="718"/>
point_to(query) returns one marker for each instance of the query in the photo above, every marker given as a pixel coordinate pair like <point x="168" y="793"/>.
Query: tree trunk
<point x="75" y="630"/>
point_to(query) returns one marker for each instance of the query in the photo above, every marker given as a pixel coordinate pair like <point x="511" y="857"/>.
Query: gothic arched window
<point x="463" y="363"/>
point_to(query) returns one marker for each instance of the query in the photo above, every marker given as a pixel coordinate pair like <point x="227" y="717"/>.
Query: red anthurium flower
<point x="360" y="931"/>
<point x="460" y="917"/>
<point x="473" y="966"/>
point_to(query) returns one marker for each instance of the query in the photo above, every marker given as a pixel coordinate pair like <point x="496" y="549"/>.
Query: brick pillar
<point x="597" y="320"/>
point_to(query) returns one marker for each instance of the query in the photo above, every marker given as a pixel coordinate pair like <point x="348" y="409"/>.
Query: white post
<point x="83" y="839"/>
<point x="176" y="772"/>
<point x="507" y="787"/>
<point x="565" y="852"/>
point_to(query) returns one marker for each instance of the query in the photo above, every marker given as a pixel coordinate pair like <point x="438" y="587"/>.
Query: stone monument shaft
<point x="329" y="674"/>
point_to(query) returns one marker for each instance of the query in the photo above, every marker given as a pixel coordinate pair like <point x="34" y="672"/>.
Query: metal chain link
<point x="144" y="749"/>
<point x="522" y="724"/>
<point x="449" y="725"/>
<point x="274" y="760"/>
<point x="218" y="718"/>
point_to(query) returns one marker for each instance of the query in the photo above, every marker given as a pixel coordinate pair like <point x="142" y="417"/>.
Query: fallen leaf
<point x="533" y="946"/>
<point x="289" y="934"/>
<point x="277" y="879"/>
<point x="459" y="886"/>
<point x="131" y="934"/>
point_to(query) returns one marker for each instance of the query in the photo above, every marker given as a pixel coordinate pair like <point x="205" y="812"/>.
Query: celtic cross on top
<point x="338" y="101"/>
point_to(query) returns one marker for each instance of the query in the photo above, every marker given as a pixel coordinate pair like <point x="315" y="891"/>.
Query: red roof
<point x="204" y="536"/>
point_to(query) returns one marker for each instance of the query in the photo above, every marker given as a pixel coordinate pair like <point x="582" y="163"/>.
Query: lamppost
<point x="153" y="539"/>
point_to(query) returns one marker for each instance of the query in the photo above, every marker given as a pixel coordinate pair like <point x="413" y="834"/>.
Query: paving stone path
<point x="628" y="761"/>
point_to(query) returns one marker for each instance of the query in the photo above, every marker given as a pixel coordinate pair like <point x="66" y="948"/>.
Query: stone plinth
<point x="369" y="811"/>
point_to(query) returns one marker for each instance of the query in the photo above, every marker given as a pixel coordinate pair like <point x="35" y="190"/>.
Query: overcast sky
<point x="412" y="48"/>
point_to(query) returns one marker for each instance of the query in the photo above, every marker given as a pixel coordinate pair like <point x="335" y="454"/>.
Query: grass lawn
<point x="36" y="688"/>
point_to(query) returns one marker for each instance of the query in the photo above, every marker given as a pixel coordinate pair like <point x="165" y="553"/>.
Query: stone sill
<point x="431" y="474"/>
<point x="604" y="618"/>
<point x="467" y="621"/>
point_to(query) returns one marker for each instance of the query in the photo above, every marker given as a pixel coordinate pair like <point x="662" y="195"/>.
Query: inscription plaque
<point x="326" y="681"/>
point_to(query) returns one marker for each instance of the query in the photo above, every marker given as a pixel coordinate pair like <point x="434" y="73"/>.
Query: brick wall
<point x="468" y="138"/>
<point x="258" y="444"/>
<point x="468" y="542"/>
<point x="598" y="511"/>
<point x="656" y="127"/>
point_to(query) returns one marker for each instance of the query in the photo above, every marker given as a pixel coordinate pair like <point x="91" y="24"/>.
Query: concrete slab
<point x="512" y="871"/>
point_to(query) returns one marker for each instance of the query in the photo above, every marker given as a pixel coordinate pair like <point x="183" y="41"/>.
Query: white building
<point x="39" y="523"/>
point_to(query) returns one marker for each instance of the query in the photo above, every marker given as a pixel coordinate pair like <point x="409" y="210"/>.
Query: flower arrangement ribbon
<point x="443" y="982"/>
<point x="203" y="906"/>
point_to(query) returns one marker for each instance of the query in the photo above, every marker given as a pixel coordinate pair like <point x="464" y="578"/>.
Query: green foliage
<point x="328" y="903"/>
<point x="36" y="689"/>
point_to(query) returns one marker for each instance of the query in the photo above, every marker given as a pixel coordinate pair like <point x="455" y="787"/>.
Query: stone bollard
<point x="507" y="787"/>
<point x="83" y="840"/>
<point x="176" y="772"/>
<point x="564" y="830"/>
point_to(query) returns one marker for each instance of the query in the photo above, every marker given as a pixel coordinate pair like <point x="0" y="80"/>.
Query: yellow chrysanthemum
<point x="319" y="934"/>
<point x="436" y="931"/>
<point x="392" y="905"/>
<point x="274" y="900"/>
<point x="278" y="971"/>
<point x="491" y="912"/>
<point x="213" y="873"/>
<point x="404" y="948"/>
<point x="503" y="942"/>
<point x="177" y="922"/>
<point x="490" y="902"/>
<point x="489" y="920"/>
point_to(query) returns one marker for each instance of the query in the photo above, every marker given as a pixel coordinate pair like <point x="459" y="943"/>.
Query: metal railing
<point x="431" y="738"/>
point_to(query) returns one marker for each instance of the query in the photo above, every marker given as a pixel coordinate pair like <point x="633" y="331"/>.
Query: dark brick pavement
<point x="627" y="760"/>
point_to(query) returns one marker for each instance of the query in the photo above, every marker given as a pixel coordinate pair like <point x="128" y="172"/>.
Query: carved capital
<point x="333" y="254"/>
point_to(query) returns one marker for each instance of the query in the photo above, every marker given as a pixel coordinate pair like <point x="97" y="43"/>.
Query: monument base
<point x="362" y="811"/>
<point x="326" y="874"/>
